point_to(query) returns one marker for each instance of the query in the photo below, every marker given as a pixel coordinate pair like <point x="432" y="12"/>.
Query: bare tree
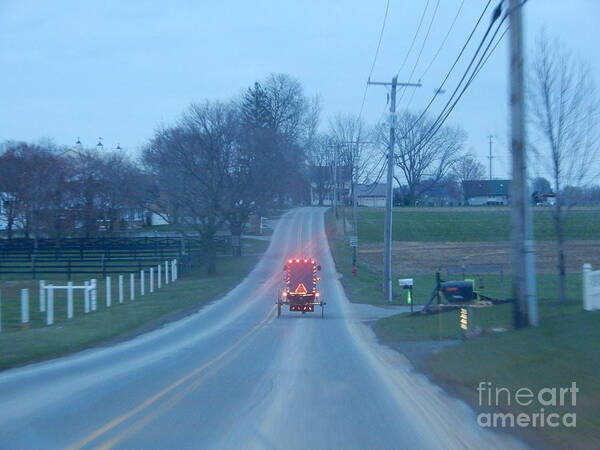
<point x="424" y="159"/>
<point x="192" y="163"/>
<point x="466" y="167"/>
<point x="320" y="160"/>
<point x="346" y="132"/>
<point x="564" y="113"/>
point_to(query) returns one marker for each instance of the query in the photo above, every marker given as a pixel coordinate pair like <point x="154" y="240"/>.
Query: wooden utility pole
<point x="335" y="180"/>
<point x="387" y="237"/>
<point x="490" y="157"/>
<point x="523" y="265"/>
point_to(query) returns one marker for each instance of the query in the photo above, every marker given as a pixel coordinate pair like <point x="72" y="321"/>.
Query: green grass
<point x="471" y="224"/>
<point x="446" y="325"/>
<point x="562" y="350"/>
<point x="42" y="342"/>
<point x="366" y="286"/>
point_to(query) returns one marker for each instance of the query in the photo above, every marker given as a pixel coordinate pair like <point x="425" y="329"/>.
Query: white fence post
<point x="176" y="269"/>
<point x="108" y="292"/>
<point x="131" y="286"/>
<point x="159" y="276"/>
<point x="591" y="288"/>
<point x="120" y="288"/>
<point x="151" y="279"/>
<point x="50" y="305"/>
<point x="86" y="297"/>
<point x="70" y="300"/>
<point x="94" y="294"/>
<point x="173" y="270"/>
<point x="24" y="306"/>
<point x="142" y="284"/>
<point x="42" y="296"/>
<point x="166" y="272"/>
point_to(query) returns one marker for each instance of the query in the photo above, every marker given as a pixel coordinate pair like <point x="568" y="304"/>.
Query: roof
<point x="484" y="188"/>
<point x="370" y="190"/>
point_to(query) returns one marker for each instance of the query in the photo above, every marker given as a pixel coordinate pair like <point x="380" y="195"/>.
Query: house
<point x="486" y="192"/>
<point x="371" y="195"/>
<point x="547" y="199"/>
<point x="322" y="185"/>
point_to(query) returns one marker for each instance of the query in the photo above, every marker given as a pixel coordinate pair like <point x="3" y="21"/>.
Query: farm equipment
<point x="454" y="294"/>
<point x="300" y="292"/>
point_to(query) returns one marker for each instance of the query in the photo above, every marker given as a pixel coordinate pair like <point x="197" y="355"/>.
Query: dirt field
<point x="428" y="257"/>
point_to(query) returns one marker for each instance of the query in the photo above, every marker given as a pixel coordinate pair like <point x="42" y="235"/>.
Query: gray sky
<point x="117" y="69"/>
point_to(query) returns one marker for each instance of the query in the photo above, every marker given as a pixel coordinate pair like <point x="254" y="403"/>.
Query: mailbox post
<point x="407" y="283"/>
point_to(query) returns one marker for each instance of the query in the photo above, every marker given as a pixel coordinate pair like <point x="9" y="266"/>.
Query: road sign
<point x="353" y="241"/>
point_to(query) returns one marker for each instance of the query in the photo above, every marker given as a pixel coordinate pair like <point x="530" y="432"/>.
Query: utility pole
<point x="525" y="309"/>
<point x="490" y="137"/>
<point x="354" y="184"/>
<point x="335" y="180"/>
<point x="387" y="237"/>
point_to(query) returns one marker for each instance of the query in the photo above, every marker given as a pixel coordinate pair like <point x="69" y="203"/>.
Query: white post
<point x="70" y="300"/>
<point x="120" y="288"/>
<point x="176" y="267"/>
<point x="159" y="276"/>
<point x="587" y="268"/>
<point x="94" y="294"/>
<point x="24" y="305"/>
<point x="131" y="286"/>
<point x="151" y="279"/>
<point x="142" y="283"/>
<point x="86" y="297"/>
<point x="42" y="296"/>
<point x="166" y="272"/>
<point x="108" y="293"/>
<point x="173" y="270"/>
<point x="50" y="306"/>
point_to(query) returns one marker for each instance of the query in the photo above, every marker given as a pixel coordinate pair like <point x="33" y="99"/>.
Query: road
<point x="233" y="375"/>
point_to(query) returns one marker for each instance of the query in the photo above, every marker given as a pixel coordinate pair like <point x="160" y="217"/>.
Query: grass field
<point x="471" y="224"/>
<point x="42" y="342"/>
<point x="563" y="349"/>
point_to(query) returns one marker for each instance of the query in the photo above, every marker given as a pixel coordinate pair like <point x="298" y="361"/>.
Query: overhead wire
<point x="451" y="104"/>
<point x="381" y="32"/>
<point x="418" y="60"/>
<point x="456" y="60"/>
<point x="413" y="39"/>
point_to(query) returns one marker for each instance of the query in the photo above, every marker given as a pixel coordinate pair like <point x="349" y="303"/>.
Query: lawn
<point x="471" y="224"/>
<point x="84" y="330"/>
<point x="563" y="349"/>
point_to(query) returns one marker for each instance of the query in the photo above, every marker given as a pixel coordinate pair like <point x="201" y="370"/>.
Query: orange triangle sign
<point x="301" y="289"/>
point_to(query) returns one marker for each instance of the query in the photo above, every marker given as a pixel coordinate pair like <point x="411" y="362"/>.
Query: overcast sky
<point x="117" y="69"/>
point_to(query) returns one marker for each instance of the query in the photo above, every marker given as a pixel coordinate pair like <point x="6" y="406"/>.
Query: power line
<point x="385" y="16"/>
<point x="437" y="53"/>
<point x="452" y="67"/>
<point x="414" y="38"/>
<point x="449" y="107"/>
<point x="418" y="60"/>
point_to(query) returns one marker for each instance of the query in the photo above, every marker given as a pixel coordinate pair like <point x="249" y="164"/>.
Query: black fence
<point x="76" y="256"/>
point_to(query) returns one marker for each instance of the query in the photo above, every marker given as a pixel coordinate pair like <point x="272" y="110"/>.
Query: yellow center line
<point x="150" y="401"/>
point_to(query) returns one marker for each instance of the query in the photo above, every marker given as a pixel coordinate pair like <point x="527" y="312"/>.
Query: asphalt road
<point x="235" y="376"/>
